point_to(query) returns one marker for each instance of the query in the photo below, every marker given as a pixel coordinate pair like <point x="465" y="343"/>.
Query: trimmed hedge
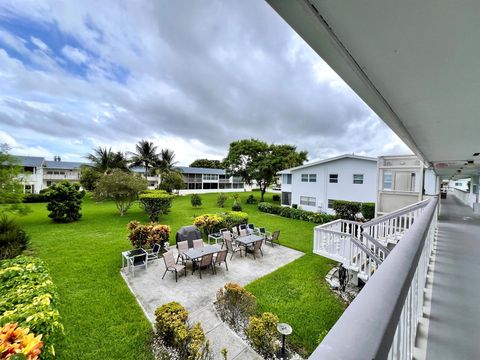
<point x="299" y="214"/>
<point x="155" y="204"/>
<point x="368" y="210"/>
<point x="28" y="297"/>
<point x="346" y="210"/>
<point x="35" y="198"/>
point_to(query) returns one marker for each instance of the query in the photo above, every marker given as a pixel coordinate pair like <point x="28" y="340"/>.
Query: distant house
<point x="316" y="185"/>
<point x="40" y="173"/>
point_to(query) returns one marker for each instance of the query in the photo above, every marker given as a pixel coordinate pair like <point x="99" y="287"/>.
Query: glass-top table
<point x="193" y="254"/>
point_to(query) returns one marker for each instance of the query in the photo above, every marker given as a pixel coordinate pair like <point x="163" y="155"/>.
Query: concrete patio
<point x="197" y="295"/>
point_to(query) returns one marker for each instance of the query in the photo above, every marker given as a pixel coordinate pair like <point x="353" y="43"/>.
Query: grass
<point x="101" y="317"/>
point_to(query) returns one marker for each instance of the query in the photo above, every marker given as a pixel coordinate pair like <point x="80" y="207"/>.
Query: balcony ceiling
<point x="415" y="63"/>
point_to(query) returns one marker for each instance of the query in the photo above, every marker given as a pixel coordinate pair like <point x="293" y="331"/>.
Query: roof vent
<point x="57" y="158"/>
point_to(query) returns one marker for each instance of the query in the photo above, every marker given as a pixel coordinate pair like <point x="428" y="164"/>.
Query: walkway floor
<point x="454" y="321"/>
<point x="197" y="295"/>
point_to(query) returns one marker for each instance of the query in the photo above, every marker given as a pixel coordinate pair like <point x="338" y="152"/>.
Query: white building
<point x="315" y="186"/>
<point x="40" y="173"/>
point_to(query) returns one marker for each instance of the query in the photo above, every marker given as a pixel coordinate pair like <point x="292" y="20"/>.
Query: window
<point x="312" y="178"/>
<point x="458" y="184"/>
<point x="287" y="178"/>
<point x="304" y="177"/>
<point x="358" y="178"/>
<point x="308" y="201"/>
<point x="330" y="203"/>
<point x="210" y="177"/>
<point x="387" y="181"/>
<point x="286" y="198"/>
<point x="333" y="178"/>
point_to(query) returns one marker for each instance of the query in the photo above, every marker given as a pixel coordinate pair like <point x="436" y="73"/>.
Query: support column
<point x="475" y="191"/>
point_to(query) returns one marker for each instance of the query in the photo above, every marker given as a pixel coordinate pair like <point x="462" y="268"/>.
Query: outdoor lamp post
<point x="284" y="330"/>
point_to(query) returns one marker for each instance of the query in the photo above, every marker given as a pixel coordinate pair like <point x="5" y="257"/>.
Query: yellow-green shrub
<point x="262" y="334"/>
<point x="235" y="304"/>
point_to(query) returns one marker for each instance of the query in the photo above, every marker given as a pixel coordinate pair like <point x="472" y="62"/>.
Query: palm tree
<point x="104" y="160"/>
<point x="166" y="162"/>
<point x="145" y="155"/>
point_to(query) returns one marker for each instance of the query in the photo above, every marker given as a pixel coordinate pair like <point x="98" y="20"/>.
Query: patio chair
<point x="153" y="253"/>
<point x="170" y="265"/>
<point x="182" y="248"/>
<point x="232" y="248"/>
<point x="251" y="228"/>
<point x="221" y="231"/>
<point x="221" y="257"/>
<point x="242" y="226"/>
<point x="205" y="261"/>
<point x="262" y="232"/>
<point x="257" y="246"/>
<point x="243" y="232"/>
<point x="274" y="238"/>
<point x="138" y="260"/>
<point x="198" y="243"/>
<point x="235" y="232"/>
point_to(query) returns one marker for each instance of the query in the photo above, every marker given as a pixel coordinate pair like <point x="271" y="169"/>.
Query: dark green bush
<point x="29" y="297"/>
<point x="368" y="210"/>
<point x="34" y="198"/>
<point x="294" y="206"/>
<point x="251" y="200"/>
<point x="13" y="239"/>
<point x="346" y="210"/>
<point x="299" y="214"/>
<point x="196" y="200"/>
<point x="237" y="205"/>
<point x="276" y="197"/>
<point x="64" y="202"/>
<point x="155" y="204"/>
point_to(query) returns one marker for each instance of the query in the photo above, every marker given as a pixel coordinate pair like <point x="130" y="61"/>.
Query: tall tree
<point x="255" y="160"/>
<point x="146" y="155"/>
<point x="105" y="160"/>
<point x="166" y="162"/>
<point x="11" y="182"/>
<point x="206" y="163"/>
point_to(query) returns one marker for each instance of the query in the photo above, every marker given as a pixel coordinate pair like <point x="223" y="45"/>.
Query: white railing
<point x="381" y="323"/>
<point x="61" y="176"/>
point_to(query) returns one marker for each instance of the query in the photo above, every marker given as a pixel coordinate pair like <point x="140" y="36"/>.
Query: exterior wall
<point x="322" y="190"/>
<point x="461" y="184"/>
<point x="208" y="191"/>
<point x="34" y="179"/>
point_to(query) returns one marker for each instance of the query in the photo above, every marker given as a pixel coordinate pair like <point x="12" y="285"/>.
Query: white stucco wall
<point x="345" y="189"/>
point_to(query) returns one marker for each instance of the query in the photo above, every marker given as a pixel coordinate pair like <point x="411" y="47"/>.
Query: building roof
<point x="63" y="165"/>
<point x="324" y="161"/>
<point x="33" y="161"/>
<point x="195" y="170"/>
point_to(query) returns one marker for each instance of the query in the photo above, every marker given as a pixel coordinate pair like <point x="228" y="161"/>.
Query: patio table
<point x="194" y="254"/>
<point x="248" y="240"/>
<point x="215" y="237"/>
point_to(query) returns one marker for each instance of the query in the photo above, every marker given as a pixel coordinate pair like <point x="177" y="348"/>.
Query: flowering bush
<point x="29" y="298"/>
<point x="146" y="235"/>
<point x="17" y="340"/>
<point x="208" y="222"/>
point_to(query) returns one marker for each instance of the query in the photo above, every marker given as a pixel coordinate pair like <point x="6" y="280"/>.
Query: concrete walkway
<point x="197" y="295"/>
<point x="454" y="321"/>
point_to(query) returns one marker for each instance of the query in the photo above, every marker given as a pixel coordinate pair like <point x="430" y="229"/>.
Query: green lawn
<point x="101" y="317"/>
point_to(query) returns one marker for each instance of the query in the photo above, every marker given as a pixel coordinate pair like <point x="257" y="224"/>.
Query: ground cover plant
<point x="98" y="308"/>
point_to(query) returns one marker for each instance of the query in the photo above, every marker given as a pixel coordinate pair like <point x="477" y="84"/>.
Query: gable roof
<point x="195" y="170"/>
<point x="324" y="161"/>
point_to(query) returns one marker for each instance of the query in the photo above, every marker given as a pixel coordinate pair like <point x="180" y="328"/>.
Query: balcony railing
<point x="381" y="323"/>
<point x="75" y="177"/>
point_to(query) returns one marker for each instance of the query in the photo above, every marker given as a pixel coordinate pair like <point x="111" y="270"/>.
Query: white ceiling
<point x="415" y="63"/>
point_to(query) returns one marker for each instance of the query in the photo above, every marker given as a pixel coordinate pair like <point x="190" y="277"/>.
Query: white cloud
<point x="39" y="43"/>
<point x="76" y="55"/>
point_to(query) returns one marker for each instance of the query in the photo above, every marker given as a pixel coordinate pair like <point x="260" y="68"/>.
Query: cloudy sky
<point x="191" y="76"/>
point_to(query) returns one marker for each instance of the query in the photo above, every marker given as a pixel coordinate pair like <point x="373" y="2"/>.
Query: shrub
<point x="196" y="200"/>
<point x="89" y="177"/>
<point x="189" y="342"/>
<point x="121" y="187"/>
<point x="235" y="305"/>
<point x="17" y="340"/>
<point x="221" y="199"/>
<point x="299" y="214"/>
<point x="146" y="235"/>
<point x="368" y="210"/>
<point x="13" y="239"/>
<point x="276" y="197"/>
<point x="346" y="210"/>
<point x="209" y="222"/>
<point x="155" y="204"/>
<point x="234" y="218"/>
<point x="262" y="334"/>
<point x="294" y="206"/>
<point x="64" y="202"/>
<point x="237" y="205"/>
<point x="172" y="181"/>
<point x="34" y="198"/>
<point x="29" y="298"/>
<point x="251" y="200"/>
